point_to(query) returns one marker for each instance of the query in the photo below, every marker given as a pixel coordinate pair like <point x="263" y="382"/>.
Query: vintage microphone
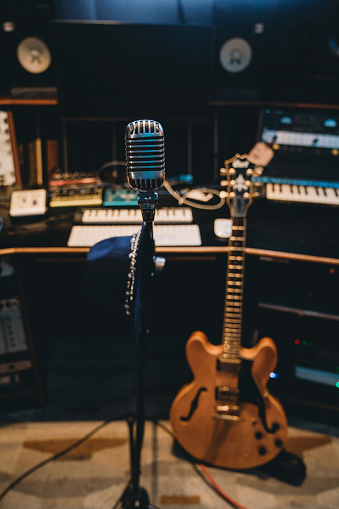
<point x="145" y="161"/>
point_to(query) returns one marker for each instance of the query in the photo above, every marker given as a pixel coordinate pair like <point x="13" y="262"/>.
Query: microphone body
<point x="145" y="155"/>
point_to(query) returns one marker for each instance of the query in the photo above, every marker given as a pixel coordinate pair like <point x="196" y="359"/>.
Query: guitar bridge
<point x="227" y="412"/>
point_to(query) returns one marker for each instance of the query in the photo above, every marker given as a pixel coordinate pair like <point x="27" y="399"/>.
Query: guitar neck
<point x="232" y="323"/>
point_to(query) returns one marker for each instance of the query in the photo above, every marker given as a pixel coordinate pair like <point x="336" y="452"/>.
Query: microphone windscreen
<point x="145" y="154"/>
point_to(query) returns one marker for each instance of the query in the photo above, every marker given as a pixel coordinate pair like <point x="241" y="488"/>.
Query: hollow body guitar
<point x="226" y="416"/>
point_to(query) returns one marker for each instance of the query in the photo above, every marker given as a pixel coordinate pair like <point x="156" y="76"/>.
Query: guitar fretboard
<point x="232" y="325"/>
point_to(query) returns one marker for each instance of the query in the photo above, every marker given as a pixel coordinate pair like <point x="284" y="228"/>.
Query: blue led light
<point x="286" y="120"/>
<point x="330" y="122"/>
<point x="273" y="375"/>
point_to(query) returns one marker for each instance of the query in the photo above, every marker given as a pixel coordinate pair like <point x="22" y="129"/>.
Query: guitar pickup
<point x="233" y="365"/>
<point x="229" y="394"/>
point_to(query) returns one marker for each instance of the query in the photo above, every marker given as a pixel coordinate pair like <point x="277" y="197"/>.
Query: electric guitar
<point x="226" y="416"/>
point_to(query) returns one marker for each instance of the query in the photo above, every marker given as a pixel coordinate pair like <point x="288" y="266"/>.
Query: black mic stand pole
<point x="135" y="497"/>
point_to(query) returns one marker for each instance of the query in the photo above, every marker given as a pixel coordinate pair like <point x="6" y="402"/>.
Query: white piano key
<point x="285" y="192"/>
<point x="311" y="195"/>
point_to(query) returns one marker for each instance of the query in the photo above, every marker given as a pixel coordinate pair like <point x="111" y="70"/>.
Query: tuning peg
<point x="258" y="170"/>
<point x="223" y="172"/>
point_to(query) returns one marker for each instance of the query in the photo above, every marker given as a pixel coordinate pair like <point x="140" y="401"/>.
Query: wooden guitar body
<point x="227" y="417"/>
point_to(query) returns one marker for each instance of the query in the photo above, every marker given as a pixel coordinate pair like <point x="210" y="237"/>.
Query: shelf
<point x="7" y="100"/>
<point x="11" y="101"/>
<point x="176" y="250"/>
<point x="273" y="104"/>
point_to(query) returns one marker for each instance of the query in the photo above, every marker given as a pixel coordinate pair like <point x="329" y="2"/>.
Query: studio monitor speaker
<point x="26" y="55"/>
<point x="244" y="45"/>
<point x="277" y="50"/>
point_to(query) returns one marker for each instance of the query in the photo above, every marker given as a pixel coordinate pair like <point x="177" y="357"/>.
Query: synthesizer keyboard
<point x="165" y="215"/>
<point x="305" y="143"/>
<point x="302" y="194"/>
<point x="164" y="235"/>
<point x="301" y="190"/>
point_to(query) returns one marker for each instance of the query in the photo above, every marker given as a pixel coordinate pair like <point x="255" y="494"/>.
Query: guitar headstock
<point x="238" y="183"/>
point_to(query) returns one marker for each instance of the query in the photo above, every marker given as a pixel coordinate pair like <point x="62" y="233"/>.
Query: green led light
<point x="337" y="385"/>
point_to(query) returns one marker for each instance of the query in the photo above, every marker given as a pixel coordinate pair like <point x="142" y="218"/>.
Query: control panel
<point x="74" y="189"/>
<point x="7" y="162"/>
<point x="305" y="144"/>
<point x="31" y="202"/>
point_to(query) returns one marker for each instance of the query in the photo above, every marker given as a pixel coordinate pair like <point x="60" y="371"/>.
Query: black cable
<point x="118" y="502"/>
<point x="42" y="222"/>
<point x="56" y="456"/>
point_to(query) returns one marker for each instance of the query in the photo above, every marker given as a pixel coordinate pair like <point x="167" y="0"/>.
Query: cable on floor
<point x="217" y="488"/>
<point x="52" y="458"/>
<point x="205" y="474"/>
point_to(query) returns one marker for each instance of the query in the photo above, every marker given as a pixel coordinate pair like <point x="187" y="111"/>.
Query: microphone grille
<point x="144" y="128"/>
<point x="145" y="154"/>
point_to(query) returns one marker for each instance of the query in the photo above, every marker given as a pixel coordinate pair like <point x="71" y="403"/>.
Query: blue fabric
<point x="107" y="271"/>
<point x="108" y="266"/>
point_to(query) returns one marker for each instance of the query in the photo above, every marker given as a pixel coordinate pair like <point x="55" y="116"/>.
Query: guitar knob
<point x="278" y="442"/>
<point x="275" y="427"/>
<point x="262" y="451"/>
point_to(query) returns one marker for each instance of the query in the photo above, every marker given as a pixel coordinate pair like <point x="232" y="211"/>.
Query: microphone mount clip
<point x="147" y="201"/>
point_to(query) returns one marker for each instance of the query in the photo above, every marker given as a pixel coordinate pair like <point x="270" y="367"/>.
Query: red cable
<point x="219" y="490"/>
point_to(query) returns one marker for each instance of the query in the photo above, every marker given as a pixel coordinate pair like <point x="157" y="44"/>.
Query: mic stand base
<point x="132" y="500"/>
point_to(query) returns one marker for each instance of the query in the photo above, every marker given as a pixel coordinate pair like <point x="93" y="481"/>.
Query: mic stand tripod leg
<point x="135" y="497"/>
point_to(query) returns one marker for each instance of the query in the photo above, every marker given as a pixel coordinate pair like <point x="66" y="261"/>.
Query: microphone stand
<point x="135" y="497"/>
